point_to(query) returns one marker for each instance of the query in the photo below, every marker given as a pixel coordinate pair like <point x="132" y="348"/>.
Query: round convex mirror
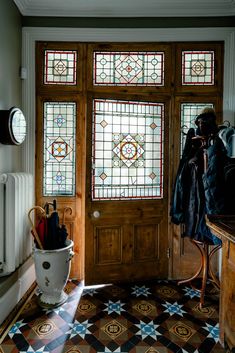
<point x="18" y="126"/>
<point x="13" y="122"/>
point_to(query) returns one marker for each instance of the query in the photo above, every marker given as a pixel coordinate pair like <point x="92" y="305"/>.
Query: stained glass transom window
<point x="198" y="67"/>
<point x="59" y="148"/>
<point x="60" y="67"/>
<point x="127" y="150"/>
<point x="128" y="68"/>
<point x="189" y="112"/>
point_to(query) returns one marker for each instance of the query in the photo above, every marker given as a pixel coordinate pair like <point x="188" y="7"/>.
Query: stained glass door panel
<point x="126" y="223"/>
<point x="60" y="67"/>
<point x="59" y="148"/>
<point x="198" y="67"/>
<point x="128" y="68"/>
<point x="128" y="150"/>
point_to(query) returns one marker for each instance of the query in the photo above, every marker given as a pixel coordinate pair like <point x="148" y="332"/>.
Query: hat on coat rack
<point x="206" y="122"/>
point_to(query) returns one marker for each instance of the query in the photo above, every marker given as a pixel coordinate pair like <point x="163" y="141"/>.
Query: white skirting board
<point x="21" y="283"/>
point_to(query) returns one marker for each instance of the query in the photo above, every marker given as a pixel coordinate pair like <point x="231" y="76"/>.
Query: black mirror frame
<point x="7" y="135"/>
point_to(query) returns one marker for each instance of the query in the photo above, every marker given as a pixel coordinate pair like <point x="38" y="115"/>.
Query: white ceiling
<point x="126" y="8"/>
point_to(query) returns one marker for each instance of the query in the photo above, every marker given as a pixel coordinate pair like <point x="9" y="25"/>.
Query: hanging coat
<point x="227" y="136"/>
<point x="214" y="178"/>
<point x="189" y="201"/>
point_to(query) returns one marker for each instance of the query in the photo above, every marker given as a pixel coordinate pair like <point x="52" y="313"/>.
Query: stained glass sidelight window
<point x="127" y="150"/>
<point x="189" y="112"/>
<point x="128" y="68"/>
<point x="59" y="148"/>
<point x="198" y="67"/>
<point x="60" y="67"/>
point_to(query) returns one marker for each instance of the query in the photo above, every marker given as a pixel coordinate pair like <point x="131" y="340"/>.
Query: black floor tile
<point x="153" y="317"/>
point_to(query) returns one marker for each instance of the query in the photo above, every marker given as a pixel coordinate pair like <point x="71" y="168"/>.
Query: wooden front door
<point x="126" y="203"/>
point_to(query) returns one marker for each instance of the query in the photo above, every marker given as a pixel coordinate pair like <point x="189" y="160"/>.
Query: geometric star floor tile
<point x="151" y="317"/>
<point x="174" y="308"/>
<point x="148" y="329"/>
<point x="140" y="291"/>
<point x="75" y="349"/>
<point x="45" y="328"/>
<point x="85" y="307"/>
<point x="206" y="311"/>
<point x="114" y="291"/>
<point x="144" y="307"/>
<point x="156" y="348"/>
<point x="181" y="330"/>
<point x="115" y="307"/>
<point x="113" y="329"/>
<point x="184" y="334"/>
<point x="167" y="292"/>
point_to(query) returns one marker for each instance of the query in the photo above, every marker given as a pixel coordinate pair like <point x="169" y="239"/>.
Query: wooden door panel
<point x="124" y="245"/>
<point x="186" y="256"/>
<point x="146" y="242"/>
<point x="108" y="245"/>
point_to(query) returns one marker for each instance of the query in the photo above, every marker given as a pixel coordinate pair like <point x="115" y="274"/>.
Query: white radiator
<point x="16" y="240"/>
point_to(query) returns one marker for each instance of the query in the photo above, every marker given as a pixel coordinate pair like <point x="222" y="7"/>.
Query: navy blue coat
<point x="197" y="193"/>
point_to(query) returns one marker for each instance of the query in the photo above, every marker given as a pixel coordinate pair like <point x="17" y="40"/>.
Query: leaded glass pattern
<point x="189" y="112"/>
<point x="60" y="67"/>
<point x="127" y="150"/>
<point x="128" y="68"/>
<point x="59" y="148"/>
<point x="198" y="67"/>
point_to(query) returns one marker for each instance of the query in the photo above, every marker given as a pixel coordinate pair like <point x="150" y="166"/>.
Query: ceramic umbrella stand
<point x="52" y="255"/>
<point x="52" y="271"/>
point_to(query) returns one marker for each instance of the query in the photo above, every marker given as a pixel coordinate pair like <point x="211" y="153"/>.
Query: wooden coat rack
<point x="205" y="271"/>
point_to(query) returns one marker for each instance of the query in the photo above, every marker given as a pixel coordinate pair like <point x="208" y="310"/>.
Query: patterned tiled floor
<point x="155" y="317"/>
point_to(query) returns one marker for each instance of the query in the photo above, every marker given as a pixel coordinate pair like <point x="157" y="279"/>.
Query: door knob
<point x="96" y="214"/>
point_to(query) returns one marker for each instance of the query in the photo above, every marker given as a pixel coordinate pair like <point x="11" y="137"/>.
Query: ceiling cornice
<point x="126" y="8"/>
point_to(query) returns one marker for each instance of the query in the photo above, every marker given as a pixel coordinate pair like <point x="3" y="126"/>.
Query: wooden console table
<point x="224" y="228"/>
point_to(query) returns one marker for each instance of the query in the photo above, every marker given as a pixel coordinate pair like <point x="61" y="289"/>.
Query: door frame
<point x="32" y="34"/>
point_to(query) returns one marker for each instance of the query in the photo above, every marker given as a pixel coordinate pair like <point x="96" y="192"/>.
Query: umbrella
<point x="42" y="230"/>
<point x="38" y="238"/>
<point x="63" y="231"/>
<point x="48" y="233"/>
<point x="56" y="234"/>
<point x="52" y="223"/>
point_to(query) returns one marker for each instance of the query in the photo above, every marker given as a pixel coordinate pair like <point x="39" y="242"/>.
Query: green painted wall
<point x="10" y="54"/>
<point x="10" y="88"/>
<point x="143" y="22"/>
